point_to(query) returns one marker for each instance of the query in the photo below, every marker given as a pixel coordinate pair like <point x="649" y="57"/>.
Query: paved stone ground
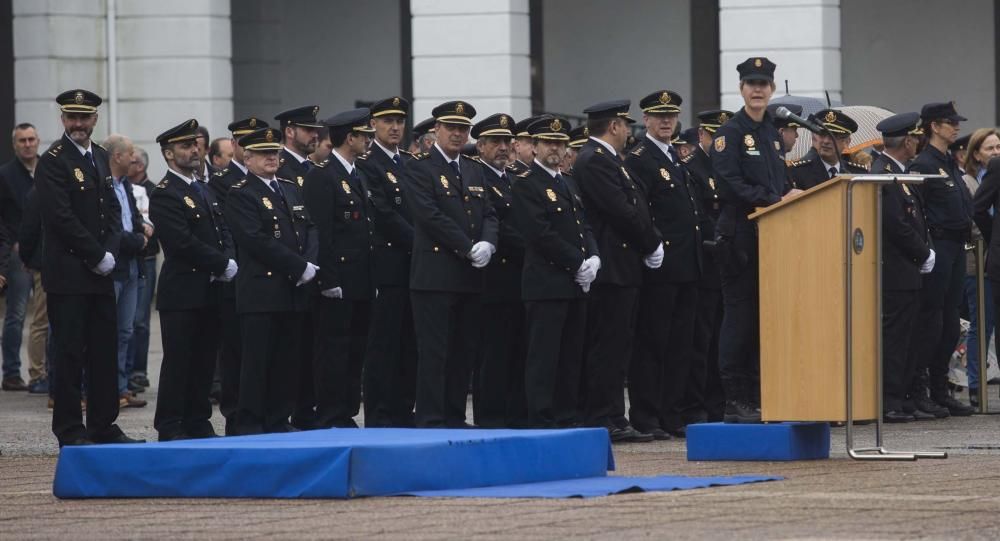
<point x="957" y="498"/>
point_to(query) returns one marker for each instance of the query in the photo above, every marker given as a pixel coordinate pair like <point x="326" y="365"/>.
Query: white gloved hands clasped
<point x="308" y="274"/>
<point x="481" y="253"/>
<point x="928" y="265"/>
<point x="229" y="273"/>
<point x="106" y="265"/>
<point x="655" y="259"/>
<point x="588" y="272"/>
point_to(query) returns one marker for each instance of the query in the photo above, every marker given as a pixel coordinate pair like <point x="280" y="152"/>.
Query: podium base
<point x="773" y="441"/>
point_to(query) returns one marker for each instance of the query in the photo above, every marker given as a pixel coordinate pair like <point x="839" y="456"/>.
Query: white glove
<point x="655" y="259"/>
<point x="928" y="265"/>
<point x="308" y="274"/>
<point x="588" y="271"/>
<point x="229" y="273"/>
<point x="481" y="253"/>
<point x="585" y="287"/>
<point x="333" y="293"/>
<point x="106" y="265"/>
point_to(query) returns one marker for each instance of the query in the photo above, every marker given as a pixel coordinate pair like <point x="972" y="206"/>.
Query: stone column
<point x="801" y="36"/>
<point x="474" y="51"/>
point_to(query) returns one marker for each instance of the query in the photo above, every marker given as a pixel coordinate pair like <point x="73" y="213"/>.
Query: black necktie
<point x="833" y="172"/>
<point x="277" y="190"/>
<point x="458" y="172"/>
<point x="396" y="160"/>
<point x="307" y="165"/>
<point x="200" y="189"/>
<point x="559" y="178"/>
<point x="90" y="158"/>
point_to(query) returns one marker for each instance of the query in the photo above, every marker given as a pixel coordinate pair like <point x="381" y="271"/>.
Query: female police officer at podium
<point x="748" y="159"/>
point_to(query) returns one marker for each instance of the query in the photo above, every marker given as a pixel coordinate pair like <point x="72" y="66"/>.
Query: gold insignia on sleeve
<point x="665" y="174"/>
<point x="267" y="203"/>
<point x="345" y="186"/>
<point x="551" y="194"/>
<point x="444" y="182"/>
<point x="188" y="201"/>
<point x="748" y="141"/>
<point x="78" y="174"/>
<point x="720" y="143"/>
<point x="390" y="176"/>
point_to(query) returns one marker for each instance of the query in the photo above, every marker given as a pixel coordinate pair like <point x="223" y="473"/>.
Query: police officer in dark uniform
<point x="498" y="387"/>
<point x="788" y="129"/>
<point x="277" y="247"/>
<point x="825" y="160"/>
<point x="704" y="398"/>
<point x="455" y="235"/>
<point x="619" y="214"/>
<point x="424" y="135"/>
<point x="560" y="263"/>
<point x="577" y="137"/>
<point x="523" y="147"/>
<point x="906" y="254"/>
<point x="198" y="258"/>
<point x="748" y="160"/>
<point x="337" y="200"/>
<point x="229" y="347"/>
<point x="82" y="222"/>
<point x="664" y="339"/>
<point x="301" y="135"/>
<point x="948" y="208"/>
<point x="390" y="369"/>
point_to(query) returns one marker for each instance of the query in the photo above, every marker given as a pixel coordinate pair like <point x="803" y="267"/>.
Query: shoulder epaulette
<point x="401" y="151"/>
<point x="363" y="157"/>
<point x="510" y="168"/>
<point x="525" y="174"/>
<point x="163" y="184"/>
<point x="55" y="150"/>
<point x="240" y="184"/>
<point x="473" y="158"/>
<point x="286" y="180"/>
<point x="281" y="161"/>
<point x="422" y="156"/>
<point x="98" y="146"/>
<point x="888" y="168"/>
<point x="638" y="150"/>
<point x="687" y="158"/>
<point x="859" y="166"/>
<point x="799" y="163"/>
<point x="323" y="163"/>
<point x="221" y="173"/>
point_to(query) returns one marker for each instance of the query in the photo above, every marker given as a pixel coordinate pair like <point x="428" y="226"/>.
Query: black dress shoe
<point x="895" y="416"/>
<point x="739" y="412"/>
<point x="120" y="437"/>
<point x="280" y="429"/>
<point x="920" y="415"/>
<point x="955" y="407"/>
<point x="73" y="442"/>
<point x="927" y="405"/>
<point x="679" y="432"/>
<point x="173" y="436"/>
<point x="658" y="434"/>
<point x="628" y="434"/>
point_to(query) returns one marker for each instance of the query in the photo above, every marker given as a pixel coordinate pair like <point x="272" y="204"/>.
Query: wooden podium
<point x="821" y="306"/>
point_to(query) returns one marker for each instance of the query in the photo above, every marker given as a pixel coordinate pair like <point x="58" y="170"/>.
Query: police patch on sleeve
<point x="720" y="143"/>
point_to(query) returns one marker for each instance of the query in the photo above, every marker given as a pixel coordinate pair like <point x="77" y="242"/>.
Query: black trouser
<point x="341" y="331"/>
<point x="704" y="390"/>
<point x="937" y="328"/>
<point x="739" y="335"/>
<point x="555" y="331"/>
<point x="190" y="343"/>
<point x="661" y="361"/>
<point x="447" y="326"/>
<point x="269" y="373"/>
<point x="498" y="384"/>
<point x="85" y="333"/>
<point x="899" y="313"/>
<point x="229" y="360"/>
<point x="304" y="415"/>
<point x="610" y="327"/>
<point x="390" y="373"/>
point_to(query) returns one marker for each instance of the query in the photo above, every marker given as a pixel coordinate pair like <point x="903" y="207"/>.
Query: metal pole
<point x="111" y="34"/>
<point x="984" y="333"/>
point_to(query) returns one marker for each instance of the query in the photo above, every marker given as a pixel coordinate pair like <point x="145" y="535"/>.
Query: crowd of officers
<point x="544" y="272"/>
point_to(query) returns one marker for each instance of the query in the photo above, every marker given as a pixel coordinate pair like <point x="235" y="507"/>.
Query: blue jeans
<point x="138" y="347"/>
<point x="972" y="342"/>
<point x="19" y="285"/>
<point x="126" y="291"/>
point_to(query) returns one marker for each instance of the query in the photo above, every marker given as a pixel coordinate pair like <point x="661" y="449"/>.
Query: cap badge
<point x="390" y="176"/>
<point x="586" y="132"/>
<point x="551" y="194"/>
<point x="345" y="186"/>
<point x="723" y="117"/>
<point x="267" y="203"/>
<point x="78" y="98"/>
<point x="395" y="102"/>
<point x="720" y="143"/>
<point x="665" y="98"/>
<point x="556" y="125"/>
<point x="253" y="122"/>
<point x="188" y="201"/>
<point x="830" y="116"/>
<point x="269" y="136"/>
<point x="757" y="62"/>
<point x="665" y="174"/>
<point x="444" y="182"/>
<point x="460" y="108"/>
<point x="193" y="124"/>
<point x="315" y="110"/>
<point x="503" y="121"/>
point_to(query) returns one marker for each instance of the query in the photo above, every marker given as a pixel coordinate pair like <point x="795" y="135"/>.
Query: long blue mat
<point x="593" y="487"/>
<point x="336" y="463"/>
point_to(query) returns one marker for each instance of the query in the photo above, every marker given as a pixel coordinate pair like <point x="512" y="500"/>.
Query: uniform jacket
<point x="811" y="171"/>
<point x="449" y="216"/>
<point x="502" y="277"/>
<point x="221" y="182"/>
<point x="276" y="238"/>
<point x="290" y="168"/>
<point x="699" y="167"/>
<point x="674" y="211"/>
<point x="81" y="217"/>
<point x="905" y="246"/>
<point x="392" y="217"/>
<point x="196" y="244"/>
<point x="339" y="206"/>
<point x="618" y="213"/>
<point x="947" y="203"/>
<point x="550" y="217"/>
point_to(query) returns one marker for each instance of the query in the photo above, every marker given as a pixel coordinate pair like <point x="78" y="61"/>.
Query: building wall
<point x="595" y="51"/>
<point x="304" y="52"/>
<point x="888" y="63"/>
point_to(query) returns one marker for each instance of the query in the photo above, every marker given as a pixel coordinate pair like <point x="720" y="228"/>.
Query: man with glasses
<point x="826" y="160"/>
<point x="948" y="206"/>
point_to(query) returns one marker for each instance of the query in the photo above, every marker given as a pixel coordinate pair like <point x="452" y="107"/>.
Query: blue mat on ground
<point x="771" y="441"/>
<point x="336" y="463"/>
<point x="593" y="487"/>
